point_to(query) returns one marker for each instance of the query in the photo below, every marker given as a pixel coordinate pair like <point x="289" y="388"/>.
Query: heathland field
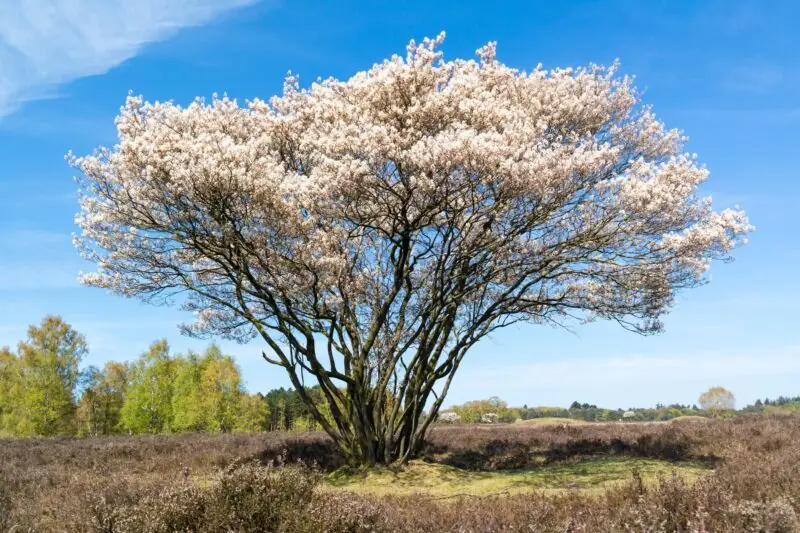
<point x="687" y="475"/>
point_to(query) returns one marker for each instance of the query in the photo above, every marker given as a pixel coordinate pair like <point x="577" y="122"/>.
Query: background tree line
<point x="716" y="402"/>
<point x="476" y="411"/>
<point x="44" y="391"/>
<point x="779" y="404"/>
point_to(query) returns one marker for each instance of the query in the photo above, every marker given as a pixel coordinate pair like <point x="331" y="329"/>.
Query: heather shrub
<point x="777" y="516"/>
<point x="5" y="504"/>
<point x="107" y="509"/>
<point x="169" y="510"/>
<point x="344" y="513"/>
<point x="203" y="484"/>
<point x="253" y="498"/>
<point x="245" y="498"/>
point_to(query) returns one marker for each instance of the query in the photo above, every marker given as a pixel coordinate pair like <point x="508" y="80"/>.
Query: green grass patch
<point x="690" y="418"/>
<point x="549" y="421"/>
<point x="441" y="480"/>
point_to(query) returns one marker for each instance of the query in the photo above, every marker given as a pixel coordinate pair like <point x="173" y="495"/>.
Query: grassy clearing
<point x="442" y="480"/>
<point x="690" y="418"/>
<point x="549" y="421"/>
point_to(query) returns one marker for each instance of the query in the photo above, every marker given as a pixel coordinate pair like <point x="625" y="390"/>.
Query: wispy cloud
<point x="636" y="368"/>
<point x="760" y="116"/>
<point x="36" y="275"/>
<point x="45" y="43"/>
<point x="733" y="17"/>
<point x="620" y="379"/>
<point x="31" y="238"/>
<point x="754" y="76"/>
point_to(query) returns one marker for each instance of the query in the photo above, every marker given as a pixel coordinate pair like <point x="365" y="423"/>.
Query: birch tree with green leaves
<point x="148" y="403"/>
<point x="49" y="362"/>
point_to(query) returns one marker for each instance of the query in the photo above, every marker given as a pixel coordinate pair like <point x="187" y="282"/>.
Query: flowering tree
<point x="371" y="231"/>
<point x="717" y="400"/>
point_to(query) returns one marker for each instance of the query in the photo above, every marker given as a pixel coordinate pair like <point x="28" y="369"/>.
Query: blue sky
<point x="727" y="73"/>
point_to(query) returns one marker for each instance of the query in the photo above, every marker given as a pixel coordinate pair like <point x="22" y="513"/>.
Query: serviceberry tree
<point x="371" y="231"/>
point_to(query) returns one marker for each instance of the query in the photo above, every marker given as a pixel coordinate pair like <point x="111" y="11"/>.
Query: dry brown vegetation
<point x="205" y="483"/>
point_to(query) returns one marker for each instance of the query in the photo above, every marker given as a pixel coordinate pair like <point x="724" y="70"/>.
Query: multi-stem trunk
<point x="378" y="445"/>
<point x="372" y="425"/>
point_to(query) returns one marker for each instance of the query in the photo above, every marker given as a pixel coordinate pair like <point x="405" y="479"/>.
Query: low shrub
<point x="205" y="484"/>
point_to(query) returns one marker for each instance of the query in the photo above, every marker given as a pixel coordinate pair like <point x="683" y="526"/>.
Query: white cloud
<point x="638" y="368"/>
<point x="34" y="275"/>
<point x="45" y="43"/>
<point x="31" y="238"/>
<point x="754" y="115"/>
<point x="754" y="77"/>
<point x="627" y="380"/>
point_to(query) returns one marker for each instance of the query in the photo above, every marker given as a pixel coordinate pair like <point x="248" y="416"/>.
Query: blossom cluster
<point x="419" y="182"/>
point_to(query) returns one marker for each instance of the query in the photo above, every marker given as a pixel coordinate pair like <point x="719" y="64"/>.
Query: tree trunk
<point x="375" y="444"/>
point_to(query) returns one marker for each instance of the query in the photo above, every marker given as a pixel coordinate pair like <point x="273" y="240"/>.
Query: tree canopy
<point x="44" y="392"/>
<point x="371" y="231"/>
<point x="717" y="399"/>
